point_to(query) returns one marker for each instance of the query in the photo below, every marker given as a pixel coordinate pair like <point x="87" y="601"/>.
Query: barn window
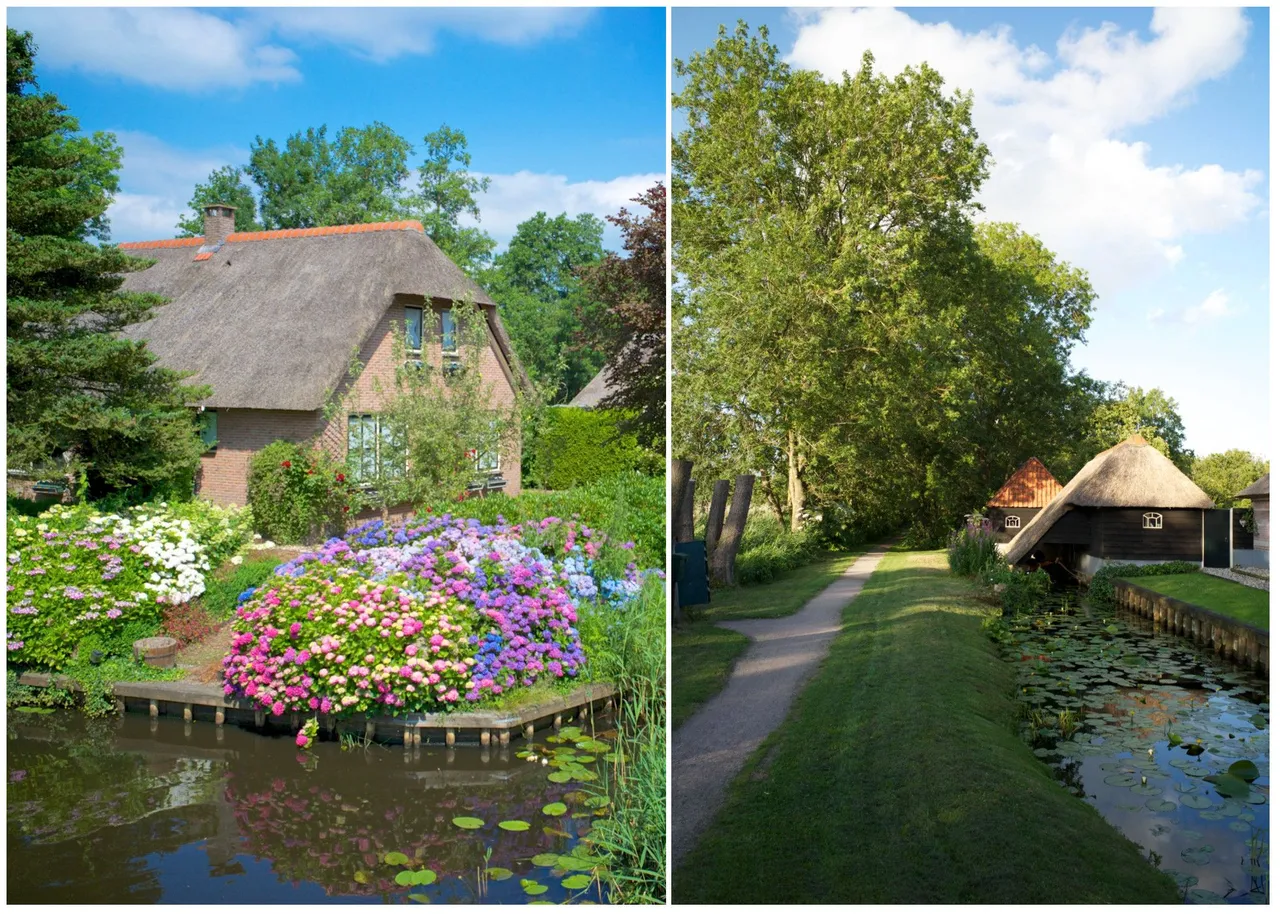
<point x="1152" y="521"/>
<point x="1012" y="522"/>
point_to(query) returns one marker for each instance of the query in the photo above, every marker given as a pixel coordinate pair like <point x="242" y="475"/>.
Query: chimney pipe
<point x="219" y="222"/>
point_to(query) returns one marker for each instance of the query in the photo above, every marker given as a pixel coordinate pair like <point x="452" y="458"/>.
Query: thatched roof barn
<point x="1260" y="494"/>
<point x="1021" y="498"/>
<point x="1128" y="503"/>
<point x="1260" y="488"/>
<point x="271" y="321"/>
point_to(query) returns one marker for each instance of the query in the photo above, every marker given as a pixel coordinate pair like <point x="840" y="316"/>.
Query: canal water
<point x="125" y="810"/>
<point x="1166" y="741"/>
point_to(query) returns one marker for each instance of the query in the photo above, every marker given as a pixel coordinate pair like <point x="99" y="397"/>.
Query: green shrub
<point x="1019" y="591"/>
<point x="25" y="507"/>
<point x="221" y="531"/>
<point x="972" y="550"/>
<point x="1102" y="587"/>
<point x="769" y="549"/>
<point x="221" y="593"/>
<point x="298" y="494"/>
<point x="628" y="506"/>
<point x="577" y="447"/>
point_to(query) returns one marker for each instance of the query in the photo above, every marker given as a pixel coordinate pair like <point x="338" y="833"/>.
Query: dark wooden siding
<point x="997" y="516"/>
<point x="1072" y="527"/>
<point x="1118" y="535"/>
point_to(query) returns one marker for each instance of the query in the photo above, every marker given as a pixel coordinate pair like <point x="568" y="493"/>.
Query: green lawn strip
<point x="1248" y="604"/>
<point x="782" y="596"/>
<point x="899" y="778"/>
<point x="703" y="657"/>
<point x="224" y="587"/>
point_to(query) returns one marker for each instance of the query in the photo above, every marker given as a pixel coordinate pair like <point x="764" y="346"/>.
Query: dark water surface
<point x="112" y="811"/>
<point x="1135" y="721"/>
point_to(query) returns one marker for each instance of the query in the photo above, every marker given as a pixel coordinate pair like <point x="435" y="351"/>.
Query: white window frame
<point x="449" y="334"/>
<point x="1152" y="520"/>
<point x="410" y="352"/>
<point x="1012" y="522"/>
<point x="382" y="468"/>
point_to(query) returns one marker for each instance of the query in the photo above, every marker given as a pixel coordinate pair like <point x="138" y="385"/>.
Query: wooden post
<point x="684" y="514"/>
<point x="369" y="729"/>
<point x="680" y="472"/>
<point x="450" y="736"/>
<point x="186" y="713"/>
<point x="715" y="520"/>
<point x="558" y="722"/>
<point x="259" y="718"/>
<point x="723" y="563"/>
<point x="219" y="716"/>
<point x="154" y="708"/>
<point x="504" y="736"/>
<point x="528" y="731"/>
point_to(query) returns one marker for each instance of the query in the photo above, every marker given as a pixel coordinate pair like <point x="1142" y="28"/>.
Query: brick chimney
<point x="219" y="222"/>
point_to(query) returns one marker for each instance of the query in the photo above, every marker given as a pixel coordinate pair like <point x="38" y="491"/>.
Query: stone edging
<point x="206" y="701"/>
<point x="1238" y="641"/>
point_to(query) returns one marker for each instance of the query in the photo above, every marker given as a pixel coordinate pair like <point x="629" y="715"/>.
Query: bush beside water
<point x="1102" y="587"/>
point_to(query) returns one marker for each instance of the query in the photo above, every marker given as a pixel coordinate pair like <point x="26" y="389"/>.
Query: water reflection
<point x="114" y="812"/>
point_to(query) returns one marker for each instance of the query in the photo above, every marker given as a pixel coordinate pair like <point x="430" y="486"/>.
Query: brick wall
<point x="224" y="473"/>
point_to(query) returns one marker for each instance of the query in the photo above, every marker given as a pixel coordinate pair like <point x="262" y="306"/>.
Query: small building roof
<point x="1132" y="474"/>
<point x="1260" y="489"/>
<point x="269" y="319"/>
<point x="1031" y="486"/>
<point x="596" y="390"/>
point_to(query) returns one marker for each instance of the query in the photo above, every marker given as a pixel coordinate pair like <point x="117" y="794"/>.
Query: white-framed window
<point x="209" y="428"/>
<point x="413" y="332"/>
<point x="1012" y="522"/>
<point x="448" y="332"/>
<point x="374" y="451"/>
<point x="1152" y="521"/>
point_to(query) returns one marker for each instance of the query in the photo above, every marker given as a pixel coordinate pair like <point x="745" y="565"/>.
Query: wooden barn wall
<point x="997" y="516"/>
<point x="1072" y="527"/>
<point x="1118" y="534"/>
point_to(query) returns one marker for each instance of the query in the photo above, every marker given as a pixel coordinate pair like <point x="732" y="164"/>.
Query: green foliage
<point x="1223" y="475"/>
<point x="222" y="590"/>
<point x="1102" y="584"/>
<point x="298" y="493"/>
<point x="24" y="507"/>
<point x="1125" y="411"/>
<point x="446" y="191"/>
<point x="535" y="281"/>
<point x="580" y="446"/>
<point x="225" y="185"/>
<point x="81" y="398"/>
<point x="768" y="549"/>
<point x="1019" y="591"/>
<point x="972" y="550"/>
<point x="631" y="506"/>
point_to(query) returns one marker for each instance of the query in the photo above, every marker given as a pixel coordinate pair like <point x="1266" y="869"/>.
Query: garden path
<point x="711" y="747"/>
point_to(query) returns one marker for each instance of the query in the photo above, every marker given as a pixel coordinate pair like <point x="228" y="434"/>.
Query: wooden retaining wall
<point x="1237" y="641"/>
<point x="206" y="701"/>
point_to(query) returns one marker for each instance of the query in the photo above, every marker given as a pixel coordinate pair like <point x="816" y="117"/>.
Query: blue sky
<point x="1133" y="143"/>
<point x="564" y="109"/>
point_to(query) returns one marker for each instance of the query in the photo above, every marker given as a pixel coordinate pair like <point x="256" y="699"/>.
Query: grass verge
<point x="1248" y="604"/>
<point x="899" y="778"/>
<point x="704" y="657"/>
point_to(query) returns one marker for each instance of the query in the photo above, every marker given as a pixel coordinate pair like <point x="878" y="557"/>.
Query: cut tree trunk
<point x="684" y="517"/>
<point x="724" y="563"/>
<point x="678" y="479"/>
<point x="715" y="520"/>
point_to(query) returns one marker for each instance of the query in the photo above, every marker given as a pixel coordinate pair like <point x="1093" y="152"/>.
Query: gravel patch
<point x="1245" y="579"/>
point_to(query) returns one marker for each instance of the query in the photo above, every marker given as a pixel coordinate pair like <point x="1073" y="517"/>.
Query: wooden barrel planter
<point x="158" y="652"/>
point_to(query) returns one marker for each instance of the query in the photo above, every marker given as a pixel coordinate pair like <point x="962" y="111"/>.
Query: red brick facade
<point x="224" y="472"/>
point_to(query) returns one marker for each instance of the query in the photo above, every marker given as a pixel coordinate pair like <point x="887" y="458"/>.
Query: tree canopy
<point x="80" y="398"/>
<point x="1224" y="474"/>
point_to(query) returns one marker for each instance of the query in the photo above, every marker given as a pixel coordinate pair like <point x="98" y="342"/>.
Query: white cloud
<point x="1055" y="125"/>
<point x="1214" y="306"/>
<point x="192" y="50"/>
<point x="179" y="49"/>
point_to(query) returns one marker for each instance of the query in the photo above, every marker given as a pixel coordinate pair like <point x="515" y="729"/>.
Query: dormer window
<point x="1012" y="522"/>
<point x="1152" y="521"/>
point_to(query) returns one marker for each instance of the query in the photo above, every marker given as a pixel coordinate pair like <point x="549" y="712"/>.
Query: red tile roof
<point x="205" y="256"/>
<point x="1032" y="486"/>
<point x="235" y="237"/>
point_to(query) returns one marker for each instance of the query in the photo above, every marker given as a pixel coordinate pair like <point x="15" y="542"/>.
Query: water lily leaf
<point x="1156" y="804"/>
<point x="533" y="888"/>
<point x="498" y="873"/>
<point x="574" y="863"/>
<point x="1258" y="721"/>
<point x="513" y="825"/>
<point x="559" y="777"/>
<point x="395" y="858"/>
<point x="555" y="809"/>
<point x="573" y="883"/>
<point x="1121" y="780"/>
<point x="1198" y="856"/>
<point x="468" y="822"/>
<point x="419" y="898"/>
<point x="1229" y="786"/>
<point x="545" y="859"/>
<point x="406" y="878"/>
<point x="424" y="877"/>
<point x="1240" y="825"/>
<point x="1184" y="880"/>
<point x="1196" y="800"/>
<point x="1244" y="769"/>
<point x="361" y="877"/>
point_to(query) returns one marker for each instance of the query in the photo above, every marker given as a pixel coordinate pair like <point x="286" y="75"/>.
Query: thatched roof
<point x="1132" y="474"/>
<point x="596" y="390"/>
<point x="1260" y="489"/>
<point x="270" y="319"/>
<point x="1031" y="486"/>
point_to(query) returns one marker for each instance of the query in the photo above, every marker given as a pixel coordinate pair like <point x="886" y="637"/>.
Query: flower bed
<point x="76" y="572"/>
<point x="425" y="616"/>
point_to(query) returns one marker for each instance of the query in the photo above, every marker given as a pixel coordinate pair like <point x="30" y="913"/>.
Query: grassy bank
<point x="704" y="653"/>
<point x="1248" y="604"/>
<point x="899" y="777"/>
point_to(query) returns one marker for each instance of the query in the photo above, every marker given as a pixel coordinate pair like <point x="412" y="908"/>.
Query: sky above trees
<point x="564" y="110"/>
<point x="1133" y="143"/>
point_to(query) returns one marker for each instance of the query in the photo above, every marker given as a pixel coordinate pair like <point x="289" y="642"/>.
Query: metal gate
<point x="1217" y="538"/>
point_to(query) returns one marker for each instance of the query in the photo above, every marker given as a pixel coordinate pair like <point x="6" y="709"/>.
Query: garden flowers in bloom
<point x="74" y="571"/>
<point x="423" y="616"/>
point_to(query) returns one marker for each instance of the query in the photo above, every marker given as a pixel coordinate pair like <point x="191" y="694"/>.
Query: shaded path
<point x="712" y="745"/>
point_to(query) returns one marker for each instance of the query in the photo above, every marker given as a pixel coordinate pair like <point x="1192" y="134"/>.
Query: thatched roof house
<point x="596" y="390"/>
<point x="271" y="320"/>
<point x="1260" y="494"/>
<point x="1021" y="498"/>
<point x="1129" y="503"/>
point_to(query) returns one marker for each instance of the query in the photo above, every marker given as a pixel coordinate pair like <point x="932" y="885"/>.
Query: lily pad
<point x="468" y="822"/>
<point x="1196" y="800"/>
<point x="1198" y="856"/>
<point x="1229" y="786"/>
<point x="514" y="825"/>
<point x="498" y="873"/>
<point x="1121" y="780"/>
<point x="361" y="877"/>
<point x="574" y="883"/>
<point x="559" y="777"/>
<point x="420" y="898"/>
<point x="1184" y="880"/>
<point x="546" y="860"/>
<point x="555" y="809"/>
<point x="1244" y="769"/>
<point x="531" y="887"/>
<point x="395" y="858"/>
<point x="1155" y="804"/>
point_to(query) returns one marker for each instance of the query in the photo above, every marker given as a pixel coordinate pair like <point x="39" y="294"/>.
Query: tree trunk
<point x="771" y="496"/>
<point x="684" y="518"/>
<point x="795" y="485"/>
<point x="723" y="565"/>
<point x="681" y="470"/>
<point x="715" y="520"/>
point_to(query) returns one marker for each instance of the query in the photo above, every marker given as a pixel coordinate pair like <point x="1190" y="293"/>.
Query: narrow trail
<point x="711" y="747"/>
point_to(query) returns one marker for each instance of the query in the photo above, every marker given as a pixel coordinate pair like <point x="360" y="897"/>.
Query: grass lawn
<point x="1248" y="604"/>
<point x="704" y="654"/>
<point x="899" y="777"/>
